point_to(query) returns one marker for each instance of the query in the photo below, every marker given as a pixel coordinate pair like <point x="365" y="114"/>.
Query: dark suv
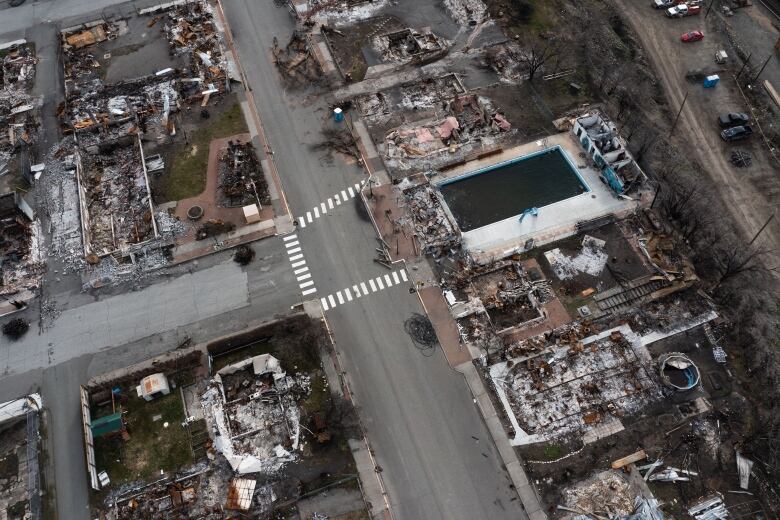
<point x="733" y="119"/>
<point x="736" y="133"/>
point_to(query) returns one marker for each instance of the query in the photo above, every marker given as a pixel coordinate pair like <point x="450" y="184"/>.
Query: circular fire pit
<point x="195" y="212"/>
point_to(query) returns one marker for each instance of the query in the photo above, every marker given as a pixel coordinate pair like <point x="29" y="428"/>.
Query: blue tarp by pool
<point x="507" y="189"/>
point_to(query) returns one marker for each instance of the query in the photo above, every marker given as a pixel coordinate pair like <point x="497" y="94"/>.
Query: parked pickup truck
<point x="678" y="11"/>
<point x="736" y="133"/>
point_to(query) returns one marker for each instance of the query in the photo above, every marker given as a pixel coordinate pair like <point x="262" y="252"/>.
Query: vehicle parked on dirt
<point x="681" y="10"/>
<point x="664" y="4"/>
<point x="736" y="133"/>
<point x="733" y="119"/>
<point x="692" y="36"/>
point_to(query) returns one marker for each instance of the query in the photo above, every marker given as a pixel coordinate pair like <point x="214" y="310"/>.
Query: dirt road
<point x="750" y="194"/>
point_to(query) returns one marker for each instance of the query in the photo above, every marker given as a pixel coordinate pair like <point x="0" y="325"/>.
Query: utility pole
<point x="677" y="118"/>
<point x="743" y="66"/>
<point x="762" y="68"/>
<point x="708" y="9"/>
<point x="762" y="228"/>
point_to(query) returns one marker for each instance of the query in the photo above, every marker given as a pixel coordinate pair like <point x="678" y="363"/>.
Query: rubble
<point x="409" y="46"/>
<point x="469" y="120"/>
<point x="432" y="227"/>
<point x="111" y="121"/>
<point x="575" y="385"/>
<point x="252" y="415"/>
<point x="241" y="181"/>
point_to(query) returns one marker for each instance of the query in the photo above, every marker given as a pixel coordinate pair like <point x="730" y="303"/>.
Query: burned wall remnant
<point x="241" y="179"/>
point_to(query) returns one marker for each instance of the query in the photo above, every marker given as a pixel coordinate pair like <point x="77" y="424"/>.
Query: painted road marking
<point x="349" y="294"/>
<point x="339" y="198"/>
<point x="403" y="275"/>
<point x="298" y="263"/>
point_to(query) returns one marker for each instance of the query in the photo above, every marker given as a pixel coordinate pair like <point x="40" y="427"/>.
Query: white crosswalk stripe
<point x="348" y="294"/>
<point x="297" y="262"/>
<point x="403" y="275"/>
<point x="335" y="200"/>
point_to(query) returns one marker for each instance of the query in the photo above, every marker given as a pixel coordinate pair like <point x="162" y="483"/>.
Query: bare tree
<point x="539" y="54"/>
<point x="732" y="258"/>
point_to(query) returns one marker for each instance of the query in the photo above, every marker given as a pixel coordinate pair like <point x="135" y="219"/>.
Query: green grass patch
<point x="186" y="176"/>
<point x="553" y="451"/>
<point x="315" y="401"/>
<point x="152" y="447"/>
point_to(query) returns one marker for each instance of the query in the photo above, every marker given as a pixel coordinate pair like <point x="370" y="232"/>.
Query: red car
<point x="692" y="36"/>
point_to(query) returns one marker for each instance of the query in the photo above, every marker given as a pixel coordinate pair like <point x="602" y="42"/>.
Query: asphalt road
<point x="437" y="458"/>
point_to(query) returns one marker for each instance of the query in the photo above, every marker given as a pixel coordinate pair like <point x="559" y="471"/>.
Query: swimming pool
<point x="506" y="189"/>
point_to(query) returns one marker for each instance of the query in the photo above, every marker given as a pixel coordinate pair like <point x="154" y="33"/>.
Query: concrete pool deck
<point x="554" y="221"/>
